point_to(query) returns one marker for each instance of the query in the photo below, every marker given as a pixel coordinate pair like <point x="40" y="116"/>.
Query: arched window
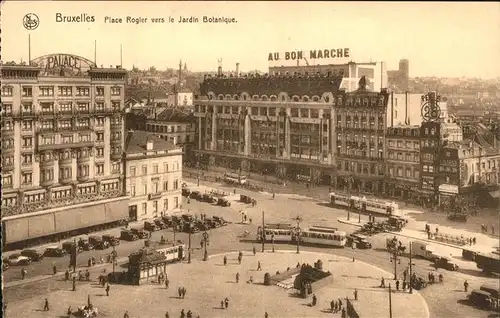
<point x="305" y="98"/>
<point x="264" y="97"/>
<point x="296" y="98"/>
<point x="220" y="97"/>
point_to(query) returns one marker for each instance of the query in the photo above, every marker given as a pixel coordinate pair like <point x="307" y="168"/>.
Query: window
<point x="156" y="188"/>
<point x="65" y="173"/>
<point x="115" y="106"/>
<point x="27" y="91"/>
<point x="48" y="140"/>
<point x="83" y="171"/>
<point x="82" y="91"/>
<point x="7" y="180"/>
<point x="132" y="190"/>
<point x="165" y="204"/>
<point x="144" y="170"/>
<point x="165" y="186"/>
<point x="83" y="107"/>
<point x="176" y="202"/>
<point x="7" y="108"/>
<point x="116" y="168"/>
<point x="7" y="91"/>
<point x="47" y="124"/>
<point x="99" y="106"/>
<point x="99" y="121"/>
<point x="65" y="107"/>
<point x="165" y="167"/>
<point x="100" y="136"/>
<point x="99" y="91"/>
<point x="65" y="91"/>
<point x="115" y="91"/>
<point x="144" y="208"/>
<point x="84" y="138"/>
<point x="8" y="125"/>
<point x="26" y="178"/>
<point x="27" y="142"/>
<point x="99" y="169"/>
<point x="27" y="159"/>
<point x="132" y="171"/>
<point x="155" y="169"/>
<point x="64" y="124"/>
<point x="8" y="161"/>
<point x="67" y="139"/>
<point x="83" y="122"/>
<point x="176" y="184"/>
<point x="144" y="189"/>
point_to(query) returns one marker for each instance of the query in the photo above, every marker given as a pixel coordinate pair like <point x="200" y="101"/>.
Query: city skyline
<point x="439" y="39"/>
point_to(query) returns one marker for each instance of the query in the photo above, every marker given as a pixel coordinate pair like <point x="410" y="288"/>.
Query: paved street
<point x="441" y="302"/>
<point x="204" y="292"/>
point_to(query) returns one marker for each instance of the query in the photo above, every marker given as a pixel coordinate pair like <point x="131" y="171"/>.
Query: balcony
<point x="47" y="163"/>
<point x="85" y="111"/>
<point x="65" y="146"/>
<point x="82" y="159"/>
<point x="8" y="166"/>
<point x="65" y="180"/>
<point x="46" y="183"/>
<point x="47" y="113"/>
<point x="7" y="132"/>
<point x="82" y="178"/>
<point x="28" y="114"/>
<point x="154" y="196"/>
<point x="81" y="128"/>
<point x="65" y="113"/>
<point x="116" y="156"/>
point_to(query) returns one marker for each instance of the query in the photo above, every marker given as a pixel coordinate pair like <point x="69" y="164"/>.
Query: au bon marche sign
<point x="311" y="54"/>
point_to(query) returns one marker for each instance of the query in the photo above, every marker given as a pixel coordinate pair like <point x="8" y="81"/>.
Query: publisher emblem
<point x="31" y="21"/>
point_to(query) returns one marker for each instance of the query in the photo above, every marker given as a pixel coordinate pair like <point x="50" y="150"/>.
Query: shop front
<point x="146" y="265"/>
<point x="448" y="194"/>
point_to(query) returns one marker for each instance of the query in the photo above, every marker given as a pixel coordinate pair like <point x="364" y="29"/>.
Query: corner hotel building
<point x="62" y="144"/>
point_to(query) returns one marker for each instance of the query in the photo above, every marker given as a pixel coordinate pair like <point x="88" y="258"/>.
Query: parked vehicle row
<point x="206" y="197"/>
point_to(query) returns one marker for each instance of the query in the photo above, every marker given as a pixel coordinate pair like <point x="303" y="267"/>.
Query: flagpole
<point x="29" y="49"/>
<point x="95" y="52"/>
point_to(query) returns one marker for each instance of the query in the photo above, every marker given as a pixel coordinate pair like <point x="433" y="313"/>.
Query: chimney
<point x="237" y="69"/>
<point x="149" y="144"/>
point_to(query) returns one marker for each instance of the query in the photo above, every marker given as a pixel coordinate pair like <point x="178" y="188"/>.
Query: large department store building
<point x="298" y="127"/>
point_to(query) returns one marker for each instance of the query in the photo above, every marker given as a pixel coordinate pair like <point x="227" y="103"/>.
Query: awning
<point x="495" y="194"/>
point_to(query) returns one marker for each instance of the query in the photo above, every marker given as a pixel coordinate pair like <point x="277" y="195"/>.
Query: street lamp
<point x="298" y="219"/>
<point x="395" y="259"/>
<point x="272" y="238"/>
<point x="205" y="241"/>
<point x="114" y="259"/>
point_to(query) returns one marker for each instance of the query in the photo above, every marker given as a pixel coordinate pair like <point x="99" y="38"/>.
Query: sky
<point x="451" y="39"/>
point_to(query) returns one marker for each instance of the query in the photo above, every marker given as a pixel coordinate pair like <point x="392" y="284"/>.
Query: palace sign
<point x="54" y="63"/>
<point x="312" y="54"/>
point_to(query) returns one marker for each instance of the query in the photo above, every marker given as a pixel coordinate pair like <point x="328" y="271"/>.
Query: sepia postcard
<point x="250" y="159"/>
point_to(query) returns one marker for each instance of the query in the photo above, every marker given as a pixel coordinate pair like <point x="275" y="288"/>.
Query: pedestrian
<point x="343" y="313"/>
<point x="239" y="259"/>
<point x="470" y="240"/>
<point x="225" y="260"/>
<point x="355" y="294"/>
<point x="382" y="283"/>
<point x="340" y="304"/>
<point x="466" y="286"/>
<point x="183" y="292"/>
<point x="23" y="273"/>
<point x="46" y="305"/>
<point x="237" y="277"/>
<point x="259" y="268"/>
<point x="254" y="251"/>
<point x="245" y="218"/>
<point x="180" y="292"/>
<point x="492" y="230"/>
<point x="226" y="302"/>
<point x="125" y="315"/>
<point x="74" y="283"/>
<point x="266" y="315"/>
<point x="189" y="314"/>
<point x="54" y="269"/>
<point x="474" y="240"/>
<point x="405" y="273"/>
<point x="167" y="315"/>
<point x="250" y="219"/>
<point x="222" y="304"/>
<point x="332" y="306"/>
<point x="107" y="290"/>
<point x="397" y="285"/>
<point x="183" y="314"/>
<point x="166" y="283"/>
<point x="69" y="312"/>
<point x="437" y="230"/>
<point x="274" y="195"/>
<point x="314" y="300"/>
<point x="404" y="285"/>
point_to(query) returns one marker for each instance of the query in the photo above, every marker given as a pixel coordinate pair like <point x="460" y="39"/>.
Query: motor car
<point x="34" y="255"/>
<point x="492" y="289"/>
<point x="190" y="228"/>
<point x="418" y="283"/>
<point x="18" y="259"/>
<point x="480" y="299"/>
<point x="167" y="220"/>
<point x="212" y="223"/>
<point x="186" y="192"/>
<point x="160" y="224"/>
<point x="139" y="232"/>
<point x="245" y="199"/>
<point x="187" y="218"/>
<point x="67" y="246"/>
<point x="360" y="241"/>
<point x="98" y="242"/>
<point x="219" y="220"/>
<point x="54" y="252"/>
<point x="468" y="254"/>
<point x="446" y="263"/>
<point x="85" y="245"/>
<point x="459" y="217"/>
<point x="202" y="226"/>
<point x="111" y="239"/>
<point x="223" y="202"/>
<point x="196" y="195"/>
<point x="150" y="226"/>
<point x="128" y="235"/>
